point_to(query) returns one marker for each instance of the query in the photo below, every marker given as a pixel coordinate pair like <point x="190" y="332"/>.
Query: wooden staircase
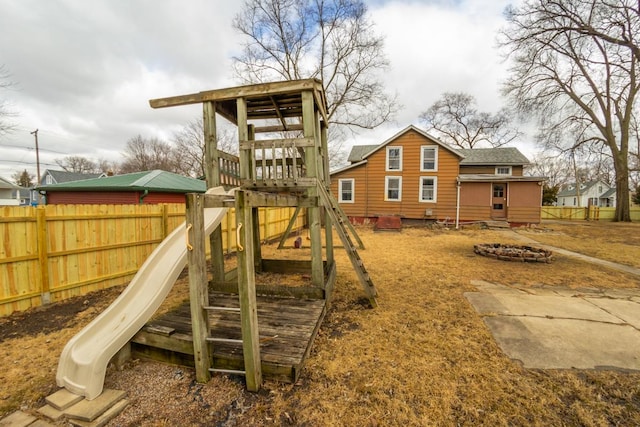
<point x="341" y="223"/>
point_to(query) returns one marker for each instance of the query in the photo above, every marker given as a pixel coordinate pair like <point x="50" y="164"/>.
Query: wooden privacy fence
<point x="585" y="213"/>
<point x="54" y="252"/>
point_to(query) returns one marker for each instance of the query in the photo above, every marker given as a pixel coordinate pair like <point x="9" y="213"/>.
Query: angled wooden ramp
<point x="341" y="222"/>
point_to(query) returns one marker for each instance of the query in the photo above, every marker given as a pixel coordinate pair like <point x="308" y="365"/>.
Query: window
<point x="48" y="180"/>
<point x="346" y="189"/>
<point x="428" y="188"/>
<point x="394" y="158"/>
<point x="393" y="188"/>
<point x="503" y="170"/>
<point x="498" y="190"/>
<point x="428" y="158"/>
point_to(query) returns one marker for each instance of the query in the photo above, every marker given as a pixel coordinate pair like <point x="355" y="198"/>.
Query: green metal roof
<point x="155" y="181"/>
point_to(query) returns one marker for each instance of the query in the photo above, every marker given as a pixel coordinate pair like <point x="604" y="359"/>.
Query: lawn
<point x="423" y="357"/>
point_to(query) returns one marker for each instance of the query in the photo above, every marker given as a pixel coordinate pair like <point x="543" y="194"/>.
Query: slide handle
<point x="189" y="245"/>
<point x="240" y="247"/>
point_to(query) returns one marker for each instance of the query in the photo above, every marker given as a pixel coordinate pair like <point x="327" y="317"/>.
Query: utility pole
<point x="35" y="133"/>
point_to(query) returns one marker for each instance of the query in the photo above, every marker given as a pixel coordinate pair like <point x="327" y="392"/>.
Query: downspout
<point x="457" y="204"/>
<point x="145" y="194"/>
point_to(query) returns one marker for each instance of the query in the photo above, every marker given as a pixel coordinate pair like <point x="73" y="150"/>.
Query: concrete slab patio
<point x="551" y="328"/>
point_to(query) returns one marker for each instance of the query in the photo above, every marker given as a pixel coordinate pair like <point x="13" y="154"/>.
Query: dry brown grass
<point x="423" y="357"/>
<point x="613" y="241"/>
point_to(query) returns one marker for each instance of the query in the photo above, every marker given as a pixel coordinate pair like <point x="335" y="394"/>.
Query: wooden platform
<point x="287" y="328"/>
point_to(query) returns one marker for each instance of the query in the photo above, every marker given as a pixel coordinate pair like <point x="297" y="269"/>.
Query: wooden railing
<point x="277" y="162"/>
<point x="54" y="252"/>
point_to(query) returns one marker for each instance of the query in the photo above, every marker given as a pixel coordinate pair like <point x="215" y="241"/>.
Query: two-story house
<point x="417" y="177"/>
<point x="590" y="193"/>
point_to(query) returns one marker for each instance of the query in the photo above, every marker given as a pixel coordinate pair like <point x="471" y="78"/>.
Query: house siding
<point x="475" y="201"/>
<point x="515" y="170"/>
<point x="525" y="202"/>
<point x="370" y="182"/>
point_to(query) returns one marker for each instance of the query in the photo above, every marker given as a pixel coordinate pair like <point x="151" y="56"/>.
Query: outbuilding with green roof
<point x="148" y="187"/>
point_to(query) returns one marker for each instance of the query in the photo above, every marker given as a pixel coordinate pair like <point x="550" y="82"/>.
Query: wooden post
<point x="257" y="248"/>
<point x="247" y="293"/>
<point x="309" y="119"/>
<point x="198" y="285"/>
<point x="43" y="255"/>
<point x="243" y="135"/>
<point x="327" y="182"/>
<point x="212" y="173"/>
<point x="165" y="221"/>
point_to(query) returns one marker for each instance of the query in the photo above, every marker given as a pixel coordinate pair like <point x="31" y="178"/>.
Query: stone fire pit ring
<point x="513" y="252"/>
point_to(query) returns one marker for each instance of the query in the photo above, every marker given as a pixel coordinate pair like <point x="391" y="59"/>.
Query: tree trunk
<point x="621" y="166"/>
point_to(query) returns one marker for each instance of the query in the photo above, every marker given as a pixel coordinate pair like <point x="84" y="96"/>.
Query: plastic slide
<point x="83" y="362"/>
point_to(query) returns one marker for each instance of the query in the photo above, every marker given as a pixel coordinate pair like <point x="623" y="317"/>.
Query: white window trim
<point x="386" y="189"/>
<point x="435" y="189"/>
<point x="353" y="190"/>
<point x="435" y="158"/>
<point x="505" y="174"/>
<point x="386" y="166"/>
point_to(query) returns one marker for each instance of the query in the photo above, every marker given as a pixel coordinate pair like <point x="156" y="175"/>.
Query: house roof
<point x="154" y="181"/>
<point x="570" y="190"/>
<point x="508" y="156"/>
<point x="361" y="152"/>
<point x="609" y="193"/>
<point x="64" y="176"/>
<point x="6" y="184"/>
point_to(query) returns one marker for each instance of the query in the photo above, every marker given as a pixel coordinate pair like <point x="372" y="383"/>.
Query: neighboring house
<point x="7" y="193"/>
<point x="58" y="177"/>
<point x="415" y="176"/>
<point x="591" y="193"/>
<point x="133" y="188"/>
<point x="26" y="196"/>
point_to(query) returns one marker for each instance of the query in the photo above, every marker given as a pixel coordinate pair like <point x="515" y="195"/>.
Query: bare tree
<point x="148" y="154"/>
<point x="575" y="65"/>
<point x="77" y="164"/>
<point x="332" y="40"/>
<point x="456" y="120"/>
<point x="23" y="179"/>
<point x="554" y="168"/>
<point x="6" y="113"/>
<point x="189" y="142"/>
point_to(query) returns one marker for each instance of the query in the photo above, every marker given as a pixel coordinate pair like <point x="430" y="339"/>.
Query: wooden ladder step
<point x="219" y="308"/>
<point x="225" y="340"/>
<point x="227" y="371"/>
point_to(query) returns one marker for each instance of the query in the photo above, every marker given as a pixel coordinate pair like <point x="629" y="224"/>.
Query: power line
<point x="26" y="163"/>
<point x="31" y="148"/>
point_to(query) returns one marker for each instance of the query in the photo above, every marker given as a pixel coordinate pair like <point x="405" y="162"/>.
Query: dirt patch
<point x="53" y="317"/>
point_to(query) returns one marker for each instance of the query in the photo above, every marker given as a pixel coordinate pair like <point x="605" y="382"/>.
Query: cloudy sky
<point x="85" y="70"/>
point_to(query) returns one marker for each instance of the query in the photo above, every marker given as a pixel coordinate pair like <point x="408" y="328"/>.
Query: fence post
<point x="43" y="256"/>
<point x="165" y="221"/>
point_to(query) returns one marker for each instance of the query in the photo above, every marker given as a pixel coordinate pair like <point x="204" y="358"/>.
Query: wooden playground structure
<point x="231" y="324"/>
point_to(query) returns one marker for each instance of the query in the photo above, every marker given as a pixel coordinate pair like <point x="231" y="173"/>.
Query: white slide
<point x="83" y="362"/>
